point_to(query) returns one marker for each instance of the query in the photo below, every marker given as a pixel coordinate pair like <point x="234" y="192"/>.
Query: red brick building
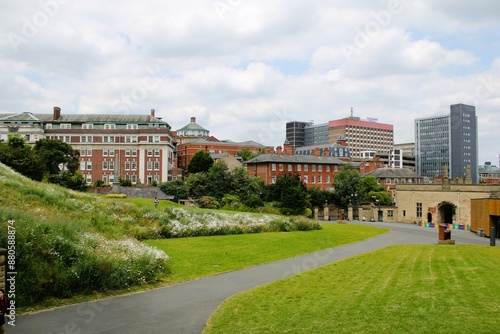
<point x="140" y="147"/>
<point x="186" y="151"/>
<point x="314" y="170"/>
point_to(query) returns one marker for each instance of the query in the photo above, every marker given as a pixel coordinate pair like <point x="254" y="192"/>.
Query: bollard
<point x="492" y="236"/>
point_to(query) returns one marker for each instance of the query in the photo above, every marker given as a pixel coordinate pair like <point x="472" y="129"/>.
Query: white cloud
<point x="244" y="68"/>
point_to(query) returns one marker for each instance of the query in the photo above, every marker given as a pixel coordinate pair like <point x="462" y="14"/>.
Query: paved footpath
<point x="185" y="308"/>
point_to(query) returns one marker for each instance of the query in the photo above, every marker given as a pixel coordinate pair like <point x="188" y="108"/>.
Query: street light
<point x="353" y="198"/>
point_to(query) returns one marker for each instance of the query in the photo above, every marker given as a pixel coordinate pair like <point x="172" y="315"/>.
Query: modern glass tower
<point x="449" y="140"/>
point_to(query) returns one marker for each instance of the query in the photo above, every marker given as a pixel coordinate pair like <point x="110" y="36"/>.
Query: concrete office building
<point x="449" y="140"/>
<point x="362" y="135"/>
<point x="295" y="133"/>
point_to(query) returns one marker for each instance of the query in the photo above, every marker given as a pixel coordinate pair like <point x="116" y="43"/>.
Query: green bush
<point x="208" y="202"/>
<point x="254" y="201"/>
<point x="308" y="213"/>
<point x="56" y="259"/>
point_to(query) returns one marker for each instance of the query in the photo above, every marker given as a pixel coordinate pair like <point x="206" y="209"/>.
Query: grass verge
<point x="192" y="258"/>
<point x="399" y="289"/>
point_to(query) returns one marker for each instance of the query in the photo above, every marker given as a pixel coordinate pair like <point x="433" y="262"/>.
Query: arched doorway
<point x="429" y="217"/>
<point x="446" y="212"/>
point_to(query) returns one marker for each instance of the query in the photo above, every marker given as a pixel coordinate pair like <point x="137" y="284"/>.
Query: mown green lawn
<point x="399" y="289"/>
<point x="202" y="256"/>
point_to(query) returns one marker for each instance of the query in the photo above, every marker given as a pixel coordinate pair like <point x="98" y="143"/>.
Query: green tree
<point x="290" y="192"/>
<point x="176" y="188"/>
<point x="19" y="155"/>
<point x="219" y="180"/>
<point x="346" y="184"/>
<point x="318" y="197"/>
<point x="367" y="185"/>
<point x="75" y="181"/>
<point x="197" y="184"/>
<point x="56" y="155"/>
<point x="201" y="162"/>
<point x="244" y="185"/>
<point x="380" y="197"/>
<point x="246" y="154"/>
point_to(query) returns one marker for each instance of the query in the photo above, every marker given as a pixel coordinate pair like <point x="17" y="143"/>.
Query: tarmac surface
<point x="186" y="307"/>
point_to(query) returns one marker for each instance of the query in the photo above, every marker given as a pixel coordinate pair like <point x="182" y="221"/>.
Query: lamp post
<point x="353" y="198"/>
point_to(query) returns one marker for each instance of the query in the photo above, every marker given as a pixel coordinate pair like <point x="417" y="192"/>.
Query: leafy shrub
<point x="183" y="223"/>
<point x="230" y="200"/>
<point x="208" y="202"/>
<point x="59" y="260"/>
<point x="308" y="213"/>
<point x="254" y="201"/>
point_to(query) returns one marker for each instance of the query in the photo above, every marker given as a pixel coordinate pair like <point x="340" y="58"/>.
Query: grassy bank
<point x="400" y="289"/>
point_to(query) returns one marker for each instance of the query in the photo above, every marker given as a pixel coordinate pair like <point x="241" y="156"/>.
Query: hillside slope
<point x="69" y="243"/>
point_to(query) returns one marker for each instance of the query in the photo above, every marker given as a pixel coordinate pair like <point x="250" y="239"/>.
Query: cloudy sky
<point x="244" y="68"/>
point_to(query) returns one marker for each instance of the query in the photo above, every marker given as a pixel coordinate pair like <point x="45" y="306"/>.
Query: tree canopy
<point x="246" y="154"/>
<point x="346" y="184"/>
<point x="200" y="162"/>
<point x="56" y="155"/>
<point x="49" y="159"/>
<point x="290" y="192"/>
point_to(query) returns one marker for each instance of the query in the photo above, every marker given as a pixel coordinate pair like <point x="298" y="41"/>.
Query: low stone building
<point x="446" y="203"/>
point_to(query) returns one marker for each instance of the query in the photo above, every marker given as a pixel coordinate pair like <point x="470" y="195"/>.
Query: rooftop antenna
<point x="352" y="113"/>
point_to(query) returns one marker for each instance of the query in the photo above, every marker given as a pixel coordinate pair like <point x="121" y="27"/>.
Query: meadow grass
<point x="399" y="289"/>
<point x="192" y="258"/>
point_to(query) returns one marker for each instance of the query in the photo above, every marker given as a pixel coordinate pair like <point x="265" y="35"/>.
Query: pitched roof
<point x="82" y="118"/>
<point x="393" y="173"/>
<point x="22" y="117"/>
<point x="203" y="141"/>
<point x="192" y="126"/>
<point x="304" y="159"/>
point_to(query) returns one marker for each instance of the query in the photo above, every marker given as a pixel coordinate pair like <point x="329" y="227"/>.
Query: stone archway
<point x="446" y="212"/>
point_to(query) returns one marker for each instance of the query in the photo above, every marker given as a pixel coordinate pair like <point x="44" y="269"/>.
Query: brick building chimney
<point x="279" y="150"/>
<point x="342" y="141"/>
<point x="193" y="119"/>
<point x="316" y="152"/>
<point x="287" y="149"/>
<point x="326" y="152"/>
<point x="153" y="113"/>
<point x="57" y="113"/>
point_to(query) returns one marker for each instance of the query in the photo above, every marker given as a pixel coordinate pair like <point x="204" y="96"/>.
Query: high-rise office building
<point x="449" y="140"/>
<point x="315" y="134"/>
<point x="362" y="135"/>
<point x="295" y="133"/>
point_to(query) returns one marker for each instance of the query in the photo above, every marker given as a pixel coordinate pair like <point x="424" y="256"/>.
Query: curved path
<point x="185" y="308"/>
